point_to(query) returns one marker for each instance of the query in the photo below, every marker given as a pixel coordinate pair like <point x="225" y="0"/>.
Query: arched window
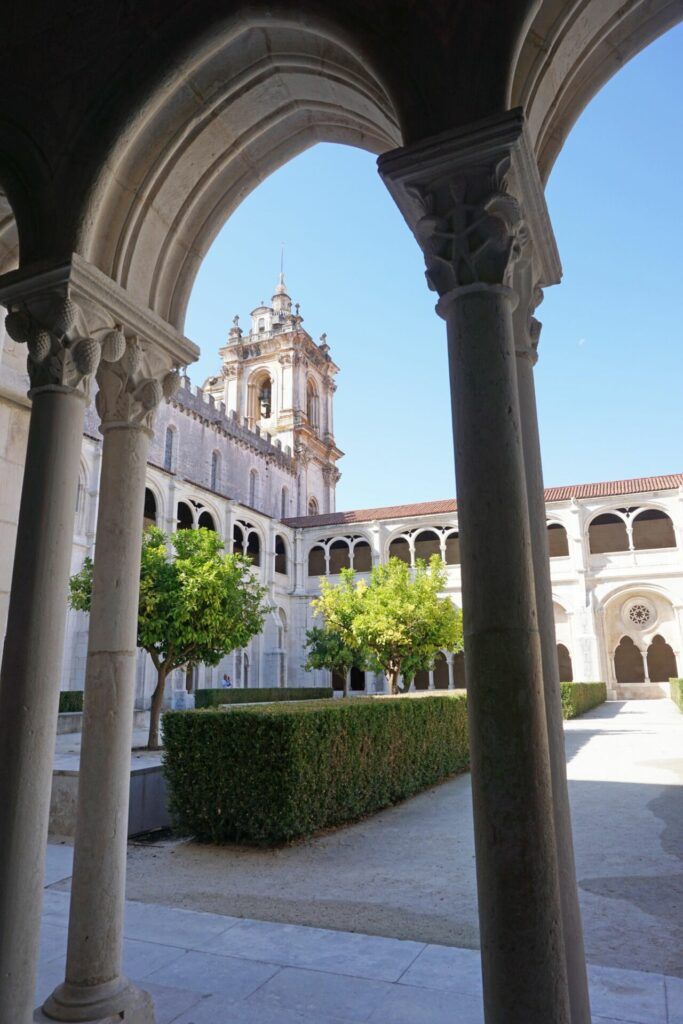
<point x="441" y="677"/>
<point x="427" y="543"/>
<point x="262" y="324"/>
<point x="253" y="548"/>
<point x="661" y="661"/>
<point x="259" y="398"/>
<point x="206" y="520"/>
<point x="215" y="471"/>
<point x="628" y="662"/>
<point x="558" y="545"/>
<point x="169" y="449"/>
<point x="653" y="529"/>
<point x="362" y="556"/>
<point x="606" y="533"/>
<point x="253" y="488"/>
<point x="421" y="680"/>
<point x="340" y="556"/>
<point x="265" y="399"/>
<point x="185" y="519"/>
<point x="316" y="561"/>
<point x="284" y="503"/>
<point x="150" y="513"/>
<point x="452" y="549"/>
<point x="312" y="405"/>
<point x="280" y="555"/>
<point x="564" y="662"/>
<point x="312" y="507"/>
<point x="400" y="548"/>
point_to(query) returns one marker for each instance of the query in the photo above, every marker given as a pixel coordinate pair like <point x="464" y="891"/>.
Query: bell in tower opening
<point x="264" y="399"/>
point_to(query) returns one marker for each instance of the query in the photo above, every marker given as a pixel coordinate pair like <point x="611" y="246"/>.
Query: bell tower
<point x="280" y="383"/>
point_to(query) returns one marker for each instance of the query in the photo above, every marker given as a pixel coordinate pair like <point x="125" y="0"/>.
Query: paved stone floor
<point x="626" y="769"/>
<point x="212" y="969"/>
<point x="408" y="872"/>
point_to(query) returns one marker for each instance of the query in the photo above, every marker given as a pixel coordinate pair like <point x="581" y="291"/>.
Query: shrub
<point x="270" y="774"/>
<point x="71" y="700"/>
<point x="676" y="690"/>
<point x="211" y="698"/>
<point x="577" y="698"/>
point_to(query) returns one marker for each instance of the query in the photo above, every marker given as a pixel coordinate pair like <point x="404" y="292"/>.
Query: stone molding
<point x="474" y="200"/>
<point x="132" y="386"/>
<point x="70" y="316"/>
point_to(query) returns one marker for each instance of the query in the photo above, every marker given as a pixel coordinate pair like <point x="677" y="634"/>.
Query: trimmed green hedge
<point x="71" y="700"/>
<point x="577" y="698"/>
<point x="676" y="689"/>
<point x="211" y="698"/>
<point x="271" y="774"/>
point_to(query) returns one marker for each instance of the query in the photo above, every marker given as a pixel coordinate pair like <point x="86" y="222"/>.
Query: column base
<point x="115" y="1002"/>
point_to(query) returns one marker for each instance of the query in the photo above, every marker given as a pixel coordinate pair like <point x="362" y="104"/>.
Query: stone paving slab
<point x="208" y="969"/>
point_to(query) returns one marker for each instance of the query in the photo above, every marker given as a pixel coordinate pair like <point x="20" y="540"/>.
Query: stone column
<point x="95" y="989"/>
<point x="527" y="332"/>
<point x="61" y="360"/>
<point x="472" y="197"/>
<point x="451" y="680"/>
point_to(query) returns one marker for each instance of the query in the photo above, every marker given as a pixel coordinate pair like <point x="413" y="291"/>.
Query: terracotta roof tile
<point x="605" y="489"/>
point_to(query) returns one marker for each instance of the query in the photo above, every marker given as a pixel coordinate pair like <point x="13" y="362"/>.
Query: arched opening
<point x="237" y="540"/>
<point x="312" y="506"/>
<point x="150" y="512"/>
<point x="169" y="449"/>
<point x="653" y="529"/>
<point x="558" y="544"/>
<point x="206" y="520"/>
<point x="253" y="550"/>
<point x="400" y="548"/>
<point x="452" y="549"/>
<point x="441" y="674"/>
<point x="340" y="556"/>
<point x="185" y="519"/>
<point x="316" y="561"/>
<point x="628" y="662"/>
<point x="607" y="533"/>
<point x="427" y="543"/>
<point x="253" y="488"/>
<point x="357" y="680"/>
<point x="338" y="680"/>
<point x="260" y="398"/>
<point x="564" y="663"/>
<point x="312" y="406"/>
<point x="459" y="679"/>
<point x="280" y="555"/>
<point x="661" y="661"/>
<point x="362" y="556"/>
<point x="215" y="471"/>
<point x="421" y="680"/>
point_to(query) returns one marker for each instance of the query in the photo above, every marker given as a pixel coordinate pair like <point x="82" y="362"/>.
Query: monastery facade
<point x="252" y="454"/>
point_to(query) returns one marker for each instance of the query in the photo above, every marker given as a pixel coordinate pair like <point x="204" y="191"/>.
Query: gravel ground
<point x="409" y="871"/>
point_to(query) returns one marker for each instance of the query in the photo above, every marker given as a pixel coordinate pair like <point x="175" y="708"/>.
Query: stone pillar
<point x="94" y="989"/>
<point x="430" y="685"/>
<point x="472" y="197"/>
<point x="527" y="331"/>
<point x="451" y="679"/>
<point x="61" y="360"/>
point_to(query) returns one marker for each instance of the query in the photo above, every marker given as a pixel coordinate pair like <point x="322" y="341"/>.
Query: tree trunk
<point x="393" y="674"/>
<point x="155" y="711"/>
<point x="345" y="691"/>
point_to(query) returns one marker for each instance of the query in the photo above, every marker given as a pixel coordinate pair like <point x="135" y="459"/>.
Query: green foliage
<point x="211" y="698"/>
<point x="274" y="773"/>
<point x="70" y="700"/>
<point x="396" y="623"/>
<point x="194" y="608"/>
<point x="577" y="698"/>
<point x="676" y="690"/>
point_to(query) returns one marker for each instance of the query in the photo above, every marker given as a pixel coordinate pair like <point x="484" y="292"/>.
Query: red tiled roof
<point x="606" y="489"/>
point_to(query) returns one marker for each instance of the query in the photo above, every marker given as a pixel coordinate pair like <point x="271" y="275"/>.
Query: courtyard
<point x="378" y="921"/>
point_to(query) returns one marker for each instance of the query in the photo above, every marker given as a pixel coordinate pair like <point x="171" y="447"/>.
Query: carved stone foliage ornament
<point x="471" y="230"/>
<point x="62" y="353"/>
<point x="130" y="391"/>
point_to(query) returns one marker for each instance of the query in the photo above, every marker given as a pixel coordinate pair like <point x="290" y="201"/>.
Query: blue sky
<point x="610" y="374"/>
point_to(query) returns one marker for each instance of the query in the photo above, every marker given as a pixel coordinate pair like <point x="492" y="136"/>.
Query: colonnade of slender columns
<point x="474" y="202"/>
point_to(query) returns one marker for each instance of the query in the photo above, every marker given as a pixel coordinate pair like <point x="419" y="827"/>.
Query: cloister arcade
<point x="111" y="203"/>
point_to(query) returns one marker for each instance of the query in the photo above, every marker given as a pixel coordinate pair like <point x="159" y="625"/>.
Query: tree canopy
<point x="395" y="623"/>
<point x="195" y="607"/>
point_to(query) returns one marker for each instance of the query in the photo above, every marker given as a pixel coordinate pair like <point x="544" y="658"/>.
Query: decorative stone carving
<point x="130" y="390"/>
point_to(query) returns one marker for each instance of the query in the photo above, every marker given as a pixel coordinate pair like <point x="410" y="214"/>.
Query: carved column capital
<point x="132" y="385"/>
<point x="474" y="201"/>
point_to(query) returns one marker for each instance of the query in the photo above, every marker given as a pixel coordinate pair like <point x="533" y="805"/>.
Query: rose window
<point x="639" y="614"/>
